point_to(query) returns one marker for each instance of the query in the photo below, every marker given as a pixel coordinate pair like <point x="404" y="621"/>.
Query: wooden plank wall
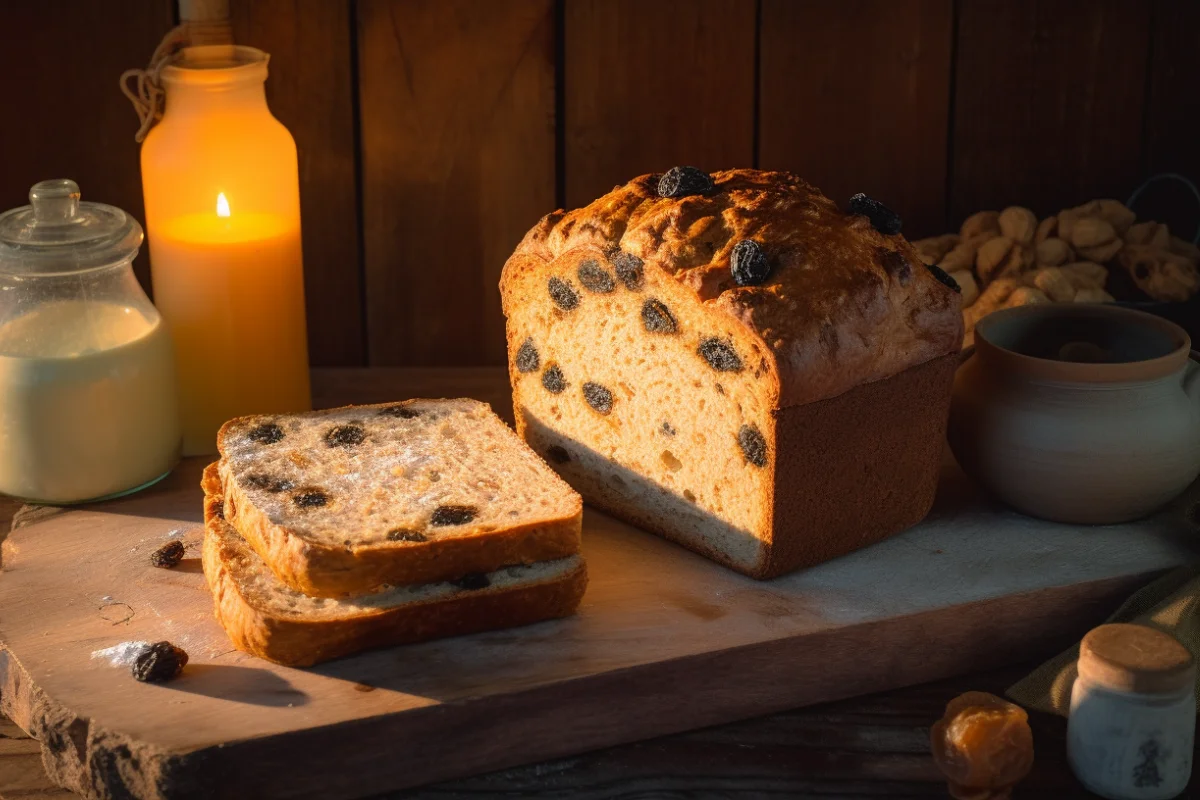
<point x="62" y="114"/>
<point x="855" y="97"/>
<point x="311" y="90"/>
<point x="1048" y="107"/>
<point x="457" y="111"/>
<point x="433" y="133"/>
<point x="634" y="100"/>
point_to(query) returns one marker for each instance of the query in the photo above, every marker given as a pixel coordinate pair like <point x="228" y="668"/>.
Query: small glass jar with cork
<point x="1133" y="714"/>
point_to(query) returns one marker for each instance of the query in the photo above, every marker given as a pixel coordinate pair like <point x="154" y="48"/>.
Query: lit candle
<point x="223" y="222"/>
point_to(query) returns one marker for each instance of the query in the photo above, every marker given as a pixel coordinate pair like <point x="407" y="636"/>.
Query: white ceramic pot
<point x="1078" y="413"/>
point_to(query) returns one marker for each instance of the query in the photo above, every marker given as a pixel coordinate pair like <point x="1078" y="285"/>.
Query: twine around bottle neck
<point x="147" y="93"/>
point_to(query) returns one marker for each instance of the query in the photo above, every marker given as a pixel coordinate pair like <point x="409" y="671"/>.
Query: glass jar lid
<point x="57" y="233"/>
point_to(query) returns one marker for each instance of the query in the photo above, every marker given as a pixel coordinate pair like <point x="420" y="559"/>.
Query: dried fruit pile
<point x="1007" y="258"/>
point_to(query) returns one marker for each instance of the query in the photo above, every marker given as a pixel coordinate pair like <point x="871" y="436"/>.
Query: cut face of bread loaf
<point x="269" y="619"/>
<point x="768" y="417"/>
<point x="638" y="401"/>
<point x="347" y="500"/>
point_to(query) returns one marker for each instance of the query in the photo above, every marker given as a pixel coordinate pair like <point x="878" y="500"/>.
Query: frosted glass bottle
<point x="222" y="192"/>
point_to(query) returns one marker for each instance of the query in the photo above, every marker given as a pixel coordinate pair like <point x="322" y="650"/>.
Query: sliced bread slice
<point x="268" y="619"/>
<point x="344" y="501"/>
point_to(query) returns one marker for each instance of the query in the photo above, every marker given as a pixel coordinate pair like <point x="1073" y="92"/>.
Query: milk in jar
<point x="88" y="404"/>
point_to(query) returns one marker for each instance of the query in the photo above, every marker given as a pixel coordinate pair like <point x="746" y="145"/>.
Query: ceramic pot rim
<point x="1067" y="371"/>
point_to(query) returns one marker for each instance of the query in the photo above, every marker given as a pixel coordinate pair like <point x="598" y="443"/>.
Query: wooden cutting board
<point x="665" y="641"/>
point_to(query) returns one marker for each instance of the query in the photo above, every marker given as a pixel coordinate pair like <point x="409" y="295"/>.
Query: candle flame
<point x="222" y="205"/>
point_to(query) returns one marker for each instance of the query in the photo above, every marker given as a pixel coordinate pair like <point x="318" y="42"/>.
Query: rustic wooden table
<point x="872" y="746"/>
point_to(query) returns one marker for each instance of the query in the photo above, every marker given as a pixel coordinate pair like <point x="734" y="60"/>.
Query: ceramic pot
<point x="1078" y="413"/>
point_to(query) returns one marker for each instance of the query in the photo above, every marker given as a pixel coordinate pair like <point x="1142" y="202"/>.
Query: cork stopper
<point x="1135" y="658"/>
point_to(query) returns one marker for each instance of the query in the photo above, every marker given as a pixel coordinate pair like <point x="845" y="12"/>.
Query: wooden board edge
<point x="24" y="516"/>
<point x="572" y="716"/>
<point x="75" y="757"/>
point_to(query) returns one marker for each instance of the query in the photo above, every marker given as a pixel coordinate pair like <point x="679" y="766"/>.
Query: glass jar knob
<point x="55" y="202"/>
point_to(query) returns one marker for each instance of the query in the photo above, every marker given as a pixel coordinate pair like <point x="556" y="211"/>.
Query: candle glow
<point x="231" y="289"/>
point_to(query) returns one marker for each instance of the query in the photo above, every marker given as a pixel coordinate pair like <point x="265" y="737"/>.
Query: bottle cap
<point x="1136" y="658"/>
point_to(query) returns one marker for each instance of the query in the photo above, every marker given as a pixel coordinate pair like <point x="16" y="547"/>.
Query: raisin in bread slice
<point x="343" y="501"/>
<point x="736" y="363"/>
<point x="268" y="619"/>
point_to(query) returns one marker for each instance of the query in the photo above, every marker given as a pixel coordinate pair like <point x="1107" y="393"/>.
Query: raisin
<point x="257" y="481"/>
<point x="720" y="355"/>
<point x="402" y="411"/>
<point x="169" y="555"/>
<point x="346" y="436"/>
<point x="269" y="484"/>
<point x="598" y="397"/>
<point x="895" y="264"/>
<point x="942" y="276"/>
<point x="667" y="429"/>
<point x="562" y="294"/>
<point x="527" y="357"/>
<point x="630" y="269"/>
<point x="472" y="581"/>
<point x="749" y="263"/>
<point x="159" y="662"/>
<point x="882" y="218"/>
<point x="1142" y="272"/>
<point x="684" y="181"/>
<point x="453" y="515"/>
<point x="754" y="446"/>
<point x="310" y="497"/>
<point x="595" y="278"/>
<point x="267" y="433"/>
<point x="406" y="535"/>
<point x="552" y="379"/>
<point x="657" y="318"/>
<point x="558" y="454"/>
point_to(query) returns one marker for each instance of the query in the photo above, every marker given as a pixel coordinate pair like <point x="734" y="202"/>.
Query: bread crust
<point x="321" y="570"/>
<point x="844" y="304"/>
<point x="304" y="642"/>
<point x="857" y="468"/>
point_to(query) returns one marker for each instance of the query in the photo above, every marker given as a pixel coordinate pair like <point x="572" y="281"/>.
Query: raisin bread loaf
<point x="346" y="500"/>
<point x="735" y="363"/>
<point x="267" y="618"/>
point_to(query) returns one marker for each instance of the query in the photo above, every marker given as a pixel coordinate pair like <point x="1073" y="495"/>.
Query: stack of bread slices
<point x="331" y="532"/>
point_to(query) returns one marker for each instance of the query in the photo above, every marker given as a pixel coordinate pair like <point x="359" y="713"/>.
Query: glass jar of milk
<point x="88" y="405"/>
